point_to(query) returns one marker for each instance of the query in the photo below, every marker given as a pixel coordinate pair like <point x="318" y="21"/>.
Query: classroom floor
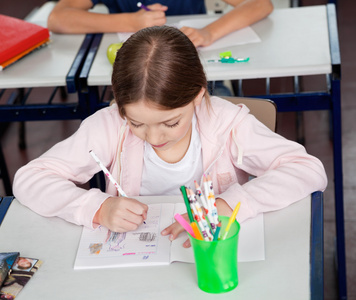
<point x="41" y="136"/>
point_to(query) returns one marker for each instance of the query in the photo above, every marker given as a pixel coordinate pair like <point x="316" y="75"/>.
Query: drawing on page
<point x="142" y="241"/>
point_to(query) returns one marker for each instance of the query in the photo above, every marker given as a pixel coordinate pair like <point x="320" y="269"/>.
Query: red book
<point x="17" y="36"/>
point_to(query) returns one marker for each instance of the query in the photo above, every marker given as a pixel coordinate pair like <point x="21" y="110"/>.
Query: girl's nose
<point x="153" y="136"/>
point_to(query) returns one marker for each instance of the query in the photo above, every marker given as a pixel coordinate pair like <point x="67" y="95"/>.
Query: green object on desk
<point x="112" y="51"/>
<point x="216" y="261"/>
<point x="186" y="201"/>
<point x="229" y="60"/>
<point x="225" y="54"/>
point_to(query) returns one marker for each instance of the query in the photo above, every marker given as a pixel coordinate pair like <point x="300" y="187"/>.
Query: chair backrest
<point x="263" y="109"/>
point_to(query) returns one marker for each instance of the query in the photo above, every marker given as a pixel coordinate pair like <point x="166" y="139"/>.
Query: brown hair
<point x="157" y="64"/>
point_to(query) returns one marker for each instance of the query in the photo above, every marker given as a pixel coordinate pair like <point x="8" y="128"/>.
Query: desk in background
<point x="56" y="65"/>
<point x="295" y="42"/>
<point x="293" y="268"/>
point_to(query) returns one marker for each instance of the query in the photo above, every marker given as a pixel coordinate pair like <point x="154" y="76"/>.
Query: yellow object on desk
<point x="231" y="220"/>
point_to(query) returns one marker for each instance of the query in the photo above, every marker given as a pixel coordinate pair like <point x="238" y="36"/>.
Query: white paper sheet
<point x="243" y="36"/>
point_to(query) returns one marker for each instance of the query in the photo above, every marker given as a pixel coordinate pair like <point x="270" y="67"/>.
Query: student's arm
<point x="284" y="172"/>
<point x="72" y="16"/>
<point x="244" y="13"/>
<point x="51" y="185"/>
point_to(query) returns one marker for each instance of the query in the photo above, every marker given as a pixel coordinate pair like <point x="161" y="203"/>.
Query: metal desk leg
<point x="338" y="181"/>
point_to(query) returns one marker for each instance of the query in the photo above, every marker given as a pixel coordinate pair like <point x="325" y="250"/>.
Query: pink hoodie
<point x="234" y="145"/>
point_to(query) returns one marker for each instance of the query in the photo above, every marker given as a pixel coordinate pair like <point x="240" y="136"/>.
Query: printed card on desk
<point x="22" y="271"/>
<point x="101" y="248"/>
<point x="7" y="260"/>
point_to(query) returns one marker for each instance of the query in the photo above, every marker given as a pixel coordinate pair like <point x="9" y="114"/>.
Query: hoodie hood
<point x="215" y="122"/>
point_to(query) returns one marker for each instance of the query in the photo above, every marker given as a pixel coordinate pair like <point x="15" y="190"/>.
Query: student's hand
<point x="121" y="214"/>
<point x="199" y="37"/>
<point x="155" y="17"/>
<point x="223" y="208"/>
<point x="157" y="7"/>
<point x="175" y="229"/>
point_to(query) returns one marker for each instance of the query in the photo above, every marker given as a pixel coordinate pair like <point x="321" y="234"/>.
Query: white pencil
<point x="107" y="173"/>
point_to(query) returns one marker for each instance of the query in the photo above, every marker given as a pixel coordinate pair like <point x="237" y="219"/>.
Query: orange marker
<point x="196" y="231"/>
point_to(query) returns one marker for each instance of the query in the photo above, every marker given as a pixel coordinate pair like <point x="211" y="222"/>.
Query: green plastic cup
<point x="216" y="261"/>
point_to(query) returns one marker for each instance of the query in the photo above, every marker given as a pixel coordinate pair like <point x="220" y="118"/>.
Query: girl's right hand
<point x="121" y="214"/>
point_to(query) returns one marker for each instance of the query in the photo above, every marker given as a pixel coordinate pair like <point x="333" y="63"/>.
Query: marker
<point x="214" y="209"/>
<point x="208" y="210"/>
<point x="185" y="224"/>
<point x="196" y="230"/>
<point x="217" y="231"/>
<point x="139" y="4"/>
<point x="187" y="204"/>
<point x="199" y="216"/>
<point x="231" y="220"/>
<point x="108" y="174"/>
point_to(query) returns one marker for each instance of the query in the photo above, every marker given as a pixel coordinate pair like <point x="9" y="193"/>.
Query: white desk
<point x="285" y="49"/>
<point x="285" y="274"/>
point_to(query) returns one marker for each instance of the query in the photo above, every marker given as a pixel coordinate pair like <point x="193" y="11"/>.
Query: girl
<point x="164" y="132"/>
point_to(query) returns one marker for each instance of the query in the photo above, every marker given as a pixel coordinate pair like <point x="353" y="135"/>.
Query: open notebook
<point x="101" y="248"/>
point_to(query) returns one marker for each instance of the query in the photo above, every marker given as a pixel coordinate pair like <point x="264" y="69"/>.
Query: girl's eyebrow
<point x="169" y="120"/>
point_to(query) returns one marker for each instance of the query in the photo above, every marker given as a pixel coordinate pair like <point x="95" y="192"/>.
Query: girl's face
<point x="168" y="131"/>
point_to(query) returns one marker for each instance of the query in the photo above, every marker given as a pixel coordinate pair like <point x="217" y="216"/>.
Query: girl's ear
<point x="198" y="99"/>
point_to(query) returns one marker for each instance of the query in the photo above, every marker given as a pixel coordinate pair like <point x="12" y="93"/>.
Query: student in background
<point x="72" y="16"/>
<point x="165" y="131"/>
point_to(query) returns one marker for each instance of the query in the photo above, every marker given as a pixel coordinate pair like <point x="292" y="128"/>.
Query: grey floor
<point x="40" y="136"/>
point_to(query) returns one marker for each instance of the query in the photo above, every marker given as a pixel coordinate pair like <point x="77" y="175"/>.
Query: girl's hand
<point x="175" y="229"/>
<point x="199" y="37"/>
<point x="223" y="208"/>
<point x="154" y="17"/>
<point x="121" y="214"/>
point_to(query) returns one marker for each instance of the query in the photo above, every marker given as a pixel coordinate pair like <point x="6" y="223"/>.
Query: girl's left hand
<point x="199" y="37"/>
<point x="174" y="230"/>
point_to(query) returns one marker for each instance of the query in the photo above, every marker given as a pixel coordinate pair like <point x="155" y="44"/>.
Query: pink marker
<point x="185" y="224"/>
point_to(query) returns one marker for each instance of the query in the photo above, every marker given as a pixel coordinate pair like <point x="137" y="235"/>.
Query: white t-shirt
<point x="162" y="178"/>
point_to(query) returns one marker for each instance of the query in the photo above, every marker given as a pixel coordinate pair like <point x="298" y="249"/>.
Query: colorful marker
<point x="199" y="216"/>
<point x="206" y="206"/>
<point x="185" y="224"/>
<point x="196" y="231"/>
<point x="187" y="204"/>
<point x="209" y="194"/>
<point x="139" y="4"/>
<point x="108" y="174"/>
<point x="231" y="220"/>
<point x="217" y="231"/>
<point x="212" y="195"/>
